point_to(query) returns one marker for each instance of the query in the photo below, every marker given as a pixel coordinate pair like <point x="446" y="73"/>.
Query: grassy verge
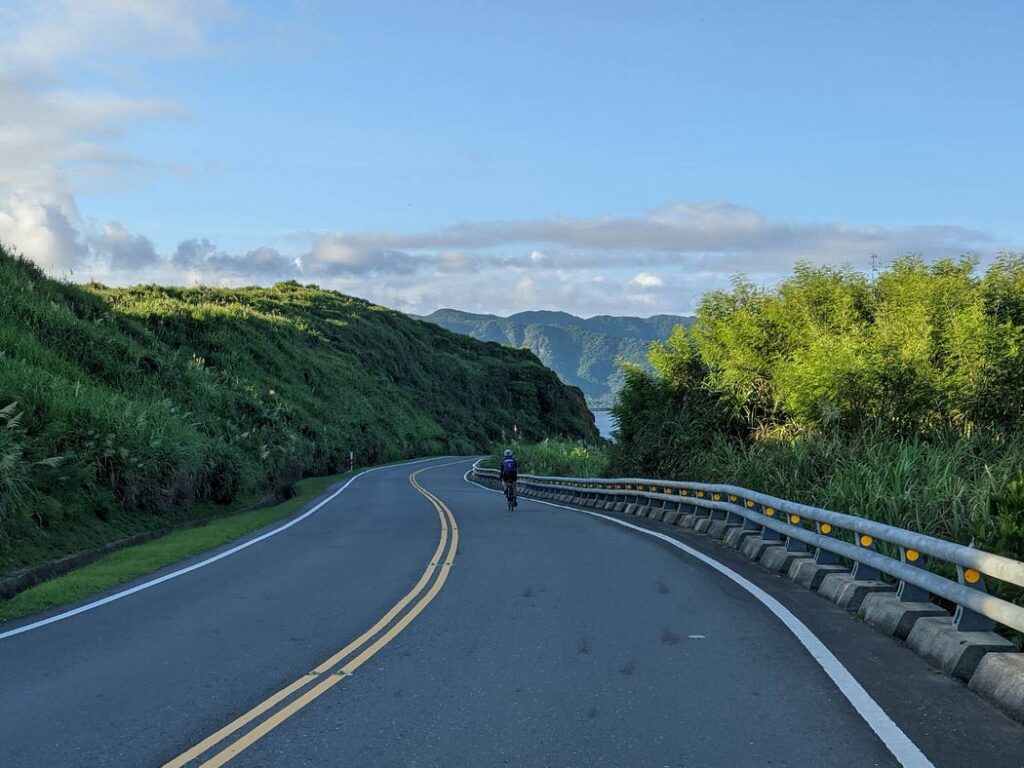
<point x="557" y="457"/>
<point x="132" y="562"/>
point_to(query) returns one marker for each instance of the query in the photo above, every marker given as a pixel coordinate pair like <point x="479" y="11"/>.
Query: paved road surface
<point x="550" y="638"/>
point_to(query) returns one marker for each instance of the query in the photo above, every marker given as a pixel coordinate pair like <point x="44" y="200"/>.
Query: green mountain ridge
<point x="122" y="409"/>
<point x="582" y="351"/>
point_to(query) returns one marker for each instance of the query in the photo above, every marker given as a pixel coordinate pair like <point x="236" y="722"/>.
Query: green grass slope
<point x="124" y="409"/>
<point x="584" y="352"/>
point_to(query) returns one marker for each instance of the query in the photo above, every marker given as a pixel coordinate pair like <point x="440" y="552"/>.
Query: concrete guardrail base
<point x="779" y="559"/>
<point x="887" y="613"/>
<point x="755" y="546"/>
<point x="735" y="537"/>
<point x="1000" y="679"/>
<point x="809" y="574"/>
<point x="956" y="653"/>
<point x="719" y="528"/>
<point x="847" y="592"/>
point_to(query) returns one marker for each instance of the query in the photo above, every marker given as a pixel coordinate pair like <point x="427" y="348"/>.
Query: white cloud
<point x="646" y="280"/>
<point x="681" y="227"/>
<point x="126" y="252"/>
<point x="37" y="36"/>
<point x="201" y="260"/>
<point x="338" y="255"/>
<point x="42" y="227"/>
<point x="54" y="137"/>
<point x="457" y="261"/>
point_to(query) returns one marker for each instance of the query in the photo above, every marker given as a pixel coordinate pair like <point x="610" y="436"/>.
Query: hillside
<point x="123" y="408"/>
<point x="582" y="351"/>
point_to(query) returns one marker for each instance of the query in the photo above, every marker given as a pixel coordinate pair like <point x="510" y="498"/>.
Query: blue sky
<point x="594" y="157"/>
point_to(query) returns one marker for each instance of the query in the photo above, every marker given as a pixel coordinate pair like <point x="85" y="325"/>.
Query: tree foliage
<point x="900" y="397"/>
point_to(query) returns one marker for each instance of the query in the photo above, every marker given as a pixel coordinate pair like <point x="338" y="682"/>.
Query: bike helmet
<point x="508" y="453"/>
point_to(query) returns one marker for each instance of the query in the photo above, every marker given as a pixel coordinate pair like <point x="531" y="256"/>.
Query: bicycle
<point x="510" y="495"/>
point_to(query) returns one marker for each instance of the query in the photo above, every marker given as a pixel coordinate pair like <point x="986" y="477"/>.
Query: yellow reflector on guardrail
<point x="731" y="497"/>
<point x="750" y="503"/>
<point x="913" y="555"/>
<point x="826" y="528"/>
<point x="794" y="519"/>
<point x="865" y="540"/>
<point x="769" y="511"/>
<point x="700" y="494"/>
<point x="668" y="491"/>
<point x="971" y="576"/>
<point x="716" y="497"/>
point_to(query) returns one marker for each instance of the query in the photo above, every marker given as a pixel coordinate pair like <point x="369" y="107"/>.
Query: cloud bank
<point x="661" y="261"/>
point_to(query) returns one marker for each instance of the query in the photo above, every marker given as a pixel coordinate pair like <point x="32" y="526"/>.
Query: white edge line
<point x="195" y="566"/>
<point x="896" y="741"/>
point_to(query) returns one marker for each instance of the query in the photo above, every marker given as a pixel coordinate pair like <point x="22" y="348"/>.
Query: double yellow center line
<point x="343" y="663"/>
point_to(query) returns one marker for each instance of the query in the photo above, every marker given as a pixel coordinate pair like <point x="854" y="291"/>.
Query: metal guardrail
<point x="786" y="521"/>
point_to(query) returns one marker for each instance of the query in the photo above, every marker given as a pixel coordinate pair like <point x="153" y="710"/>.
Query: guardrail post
<point x="701" y="511"/>
<point x="793" y="545"/>
<point x="685" y="507"/>
<point x="565" y="493"/>
<point x="862" y="572"/>
<point x="823" y="556"/>
<point x="748" y="524"/>
<point x="964" y="619"/>
<point x="716" y="513"/>
<point x="907" y="592"/>
<point x="670" y="508"/>
<point x="730" y="516"/>
<point x="767" y="534"/>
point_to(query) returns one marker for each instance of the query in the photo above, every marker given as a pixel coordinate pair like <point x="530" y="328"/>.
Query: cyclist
<point x="509" y="474"/>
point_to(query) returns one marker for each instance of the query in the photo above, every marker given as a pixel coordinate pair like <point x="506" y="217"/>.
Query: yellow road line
<point x="447" y="521"/>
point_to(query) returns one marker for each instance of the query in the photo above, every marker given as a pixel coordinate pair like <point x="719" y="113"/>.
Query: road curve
<point x="415" y="622"/>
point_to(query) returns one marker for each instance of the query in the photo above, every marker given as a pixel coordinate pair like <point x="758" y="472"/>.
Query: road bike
<point x="510" y="495"/>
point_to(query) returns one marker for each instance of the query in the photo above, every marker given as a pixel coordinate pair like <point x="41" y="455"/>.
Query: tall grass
<point x="557" y="457"/>
<point x="161" y="399"/>
<point x="941" y="487"/>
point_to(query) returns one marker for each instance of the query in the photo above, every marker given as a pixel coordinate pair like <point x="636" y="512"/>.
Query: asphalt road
<point x="547" y="638"/>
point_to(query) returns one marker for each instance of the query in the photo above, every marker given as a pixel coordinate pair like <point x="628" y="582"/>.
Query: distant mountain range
<point x="582" y="351"/>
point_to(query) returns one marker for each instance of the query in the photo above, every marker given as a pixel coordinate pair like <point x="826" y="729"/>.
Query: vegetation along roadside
<point x="127" y="409"/>
<point x="897" y="396"/>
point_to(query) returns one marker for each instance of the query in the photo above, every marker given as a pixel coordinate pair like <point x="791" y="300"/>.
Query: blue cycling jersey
<point x="509" y="469"/>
